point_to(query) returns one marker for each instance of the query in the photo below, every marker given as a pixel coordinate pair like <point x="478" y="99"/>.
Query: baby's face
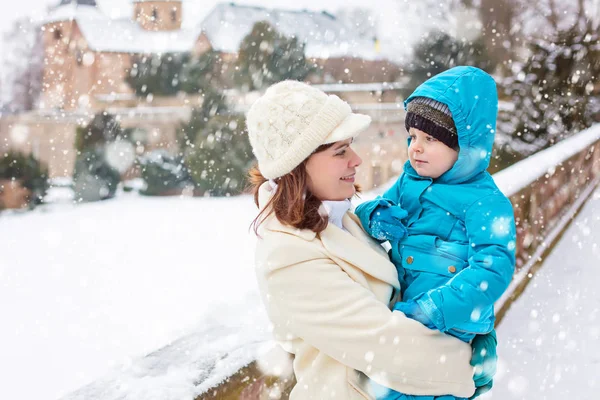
<point x="428" y="156"/>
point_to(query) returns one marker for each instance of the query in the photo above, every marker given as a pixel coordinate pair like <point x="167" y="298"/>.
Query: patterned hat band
<point x="433" y="118"/>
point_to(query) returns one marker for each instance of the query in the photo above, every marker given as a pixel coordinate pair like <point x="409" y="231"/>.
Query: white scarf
<point x="333" y="209"/>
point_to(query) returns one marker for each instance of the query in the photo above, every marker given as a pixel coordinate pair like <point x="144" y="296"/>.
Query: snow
<point x="155" y="298"/>
<point x="549" y="341"/>
<point x="516" y="177"/>
<point x="524" y="272"/>
<point x="324" y="35"/>
<point x="192" y="364"/>
<point x="123" y="35"/>
<point x="226" y="26"/>
<point x="87" y="290"/>
<point x="363" y="87"/>
<point x="151" y="297"/>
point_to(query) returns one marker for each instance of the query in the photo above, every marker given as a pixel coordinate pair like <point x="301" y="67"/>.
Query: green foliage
<point x="32" y="174"/>
<point x="220" y="158"/>
<point x="197" y="75"/>
<point x="102" y="129"/>
<point x="266" y="56"/>
<point x="157" y="74"/>
<point x="163" y="174"/>
<point x="440" y="52"/>
<point x="213" y="104"/>
<point x="94" y="178"/>
<point x="553" y="90"/>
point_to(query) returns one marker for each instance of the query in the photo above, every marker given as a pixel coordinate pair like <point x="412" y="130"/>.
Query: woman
<point x="326" y="285"/>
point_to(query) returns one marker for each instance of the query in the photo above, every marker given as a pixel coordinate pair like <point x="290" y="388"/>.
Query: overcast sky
<point x="194" y="9"/>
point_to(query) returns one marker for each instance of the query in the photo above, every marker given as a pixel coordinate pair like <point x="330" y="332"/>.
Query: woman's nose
<point x="355" y="161"/>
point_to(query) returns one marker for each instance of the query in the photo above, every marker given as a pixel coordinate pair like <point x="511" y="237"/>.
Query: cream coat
<point x="327" y="296"/>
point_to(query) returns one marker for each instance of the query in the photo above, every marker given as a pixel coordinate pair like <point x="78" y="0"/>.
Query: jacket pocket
<point x="434" y="263"/>
<point x="430" y="254"/>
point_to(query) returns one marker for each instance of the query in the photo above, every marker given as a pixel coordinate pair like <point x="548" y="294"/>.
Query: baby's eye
<point x="431" y="139"/>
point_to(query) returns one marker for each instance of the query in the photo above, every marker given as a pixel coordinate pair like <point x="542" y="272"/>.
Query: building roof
<point x="225" y="26"/>
<point x="80" y="2"/>
<point x="123" y="35"/>
<point x="325" y="35"/>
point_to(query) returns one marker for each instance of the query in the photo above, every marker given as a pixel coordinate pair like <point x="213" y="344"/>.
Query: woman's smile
<point x="348" y="178"/>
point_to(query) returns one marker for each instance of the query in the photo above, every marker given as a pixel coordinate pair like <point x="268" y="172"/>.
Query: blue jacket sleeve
<point x="491" y="232"/>
<point x="393" y="193"/>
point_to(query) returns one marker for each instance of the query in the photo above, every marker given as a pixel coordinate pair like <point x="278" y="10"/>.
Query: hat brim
<point x="350" y="127"/>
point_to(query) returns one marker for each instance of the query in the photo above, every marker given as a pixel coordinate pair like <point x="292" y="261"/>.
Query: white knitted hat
<point x="292" y="119"/>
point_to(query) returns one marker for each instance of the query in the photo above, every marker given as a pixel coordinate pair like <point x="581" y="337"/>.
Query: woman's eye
<point x="341" y="153"/>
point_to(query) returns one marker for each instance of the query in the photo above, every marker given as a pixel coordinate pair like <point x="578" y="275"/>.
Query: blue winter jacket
<point x="459" y="254"/>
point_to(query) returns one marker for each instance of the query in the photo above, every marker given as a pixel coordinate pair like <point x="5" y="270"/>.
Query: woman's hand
<point x="484" y="360"/>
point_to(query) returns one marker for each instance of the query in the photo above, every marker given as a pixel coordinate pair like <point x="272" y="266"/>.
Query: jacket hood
<point x="471" y="95"/>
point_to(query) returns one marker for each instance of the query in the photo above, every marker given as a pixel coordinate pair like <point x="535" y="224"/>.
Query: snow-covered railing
<point x="363" y="87"/>
<point x="546" y="190"/>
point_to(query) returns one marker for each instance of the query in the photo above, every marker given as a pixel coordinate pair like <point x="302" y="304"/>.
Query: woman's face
<point x="331" y="172"/>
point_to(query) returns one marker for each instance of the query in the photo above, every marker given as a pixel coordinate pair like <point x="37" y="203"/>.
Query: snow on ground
<point x="227" y="338"/>
<point x="549" y="341"/>
<point x="86" y="290"/>
<point x="155" y="298"/>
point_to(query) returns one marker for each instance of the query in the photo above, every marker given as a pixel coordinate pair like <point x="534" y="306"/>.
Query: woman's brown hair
<point x="293" y="203"/>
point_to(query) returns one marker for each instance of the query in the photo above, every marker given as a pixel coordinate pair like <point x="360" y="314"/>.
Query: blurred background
<point x="127" y="262"/>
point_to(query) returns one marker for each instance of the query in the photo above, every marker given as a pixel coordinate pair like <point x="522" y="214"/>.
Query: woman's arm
<point x="313" y="298"/>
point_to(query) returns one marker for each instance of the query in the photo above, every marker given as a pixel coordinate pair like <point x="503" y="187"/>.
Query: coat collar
<point x="354" y="246"/>
<point x="358" y="249"/>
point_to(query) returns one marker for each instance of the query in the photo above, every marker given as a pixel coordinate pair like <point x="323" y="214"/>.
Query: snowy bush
<point x="157" y="74"/>
<point x="94" y="178"/>
<point x="220" y="158"/>
<point x="198" y="74"/>
<point x="31" y="173"/>
<point x="163" y="174"/>
<point x="103" y="154"/>
<point x="439" y="51"/>
<point x="213" y="103"/>
<point x="266" y="56"/>
<point x="553" y="91"/>
<point x="102" y="129"/>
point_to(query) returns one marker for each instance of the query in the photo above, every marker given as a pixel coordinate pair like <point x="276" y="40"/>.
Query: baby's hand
<point x="484" y="360"/>
<point x="386" y="223"/>
<point x="413" y="311"/>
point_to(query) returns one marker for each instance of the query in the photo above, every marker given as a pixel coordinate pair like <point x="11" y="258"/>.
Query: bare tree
<point x="500" y="37"/>
<point x="24" y="61"/>
<point x="360" y="20"/>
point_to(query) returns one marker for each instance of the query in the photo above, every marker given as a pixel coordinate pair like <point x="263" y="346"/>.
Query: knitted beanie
<point x="433" y="118"/>
<point x="291" y="120"/>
